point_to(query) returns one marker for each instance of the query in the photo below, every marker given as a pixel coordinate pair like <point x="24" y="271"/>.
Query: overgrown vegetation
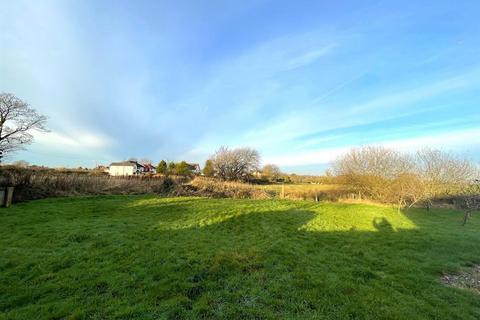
<point x="144" y="257"/>
<point x="31" y="184"/>
<point x="208" y="187"/>
<point x="313" y="192"/>
<point x="388" y="176"/>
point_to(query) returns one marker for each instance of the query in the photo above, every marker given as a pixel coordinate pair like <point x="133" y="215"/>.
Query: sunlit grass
<point x="143" y="257"/>
<point x="357" y="217"/>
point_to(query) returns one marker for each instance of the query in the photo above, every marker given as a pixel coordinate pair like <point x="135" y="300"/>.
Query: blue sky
<point x="301" y="81"/>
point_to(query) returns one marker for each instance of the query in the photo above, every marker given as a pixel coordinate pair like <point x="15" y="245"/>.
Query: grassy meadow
<point x="146" y="257"/>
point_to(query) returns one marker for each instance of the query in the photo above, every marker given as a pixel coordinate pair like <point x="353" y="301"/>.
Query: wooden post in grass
<point x="469" y="201"/>
<point x="282" y="194"/>
<point x="9" y="197"/>
<point x="2" y="196"/>
<point x="465" y="217"/>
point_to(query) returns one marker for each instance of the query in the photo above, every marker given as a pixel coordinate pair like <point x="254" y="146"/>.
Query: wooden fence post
<point x="8" y="200"/>
<point x="2" y="196"/>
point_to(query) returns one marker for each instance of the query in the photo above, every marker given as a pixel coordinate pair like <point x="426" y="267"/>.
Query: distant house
<point x="125" y="168"/>
<point x="149" y="168"/>
<point x="102" y="169"/>
<point x="194" y="168"/>
<point x="257" y="174"/>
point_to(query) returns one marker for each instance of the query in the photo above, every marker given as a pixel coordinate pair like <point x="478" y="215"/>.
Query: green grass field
<point x="143" y="257"/>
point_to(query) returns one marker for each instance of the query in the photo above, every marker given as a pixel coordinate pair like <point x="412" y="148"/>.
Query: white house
<point x="125" y="168"/>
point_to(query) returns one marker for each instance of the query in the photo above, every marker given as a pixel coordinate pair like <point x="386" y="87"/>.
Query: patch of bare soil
<point x="469" y="279"/>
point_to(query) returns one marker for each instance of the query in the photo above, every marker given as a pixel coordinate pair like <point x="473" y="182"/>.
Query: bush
<point x="162" y="167"/>
<point x="385" y="175"/>
<point x="209" y="169"/>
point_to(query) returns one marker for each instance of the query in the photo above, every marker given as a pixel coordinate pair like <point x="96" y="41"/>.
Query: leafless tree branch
<point x="17" y="120"/>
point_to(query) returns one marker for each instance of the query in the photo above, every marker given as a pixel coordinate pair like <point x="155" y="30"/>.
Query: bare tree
<point x="271" y="172"/>
<point x="370" y="170"/>
<point x="390" y="176"/>
<point x="442" y="173"/>
<point x="406" y="190"/>
<point x="145" y="161"/>
<point x="17" y="120"/>
<point x="442" y="169"/>
<point x="372" y="161"/>
<point x="469" y="200"/>
<point x="235" y="164"/>
<point x="21" y="164"/>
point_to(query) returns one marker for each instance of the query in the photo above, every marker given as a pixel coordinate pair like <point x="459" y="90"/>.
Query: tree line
<point x="182" y="168"/>
<point x="240" y="164"/>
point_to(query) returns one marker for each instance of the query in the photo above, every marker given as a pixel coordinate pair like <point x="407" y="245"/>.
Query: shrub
<point x="208" y="169"/>
<point x="389" y="176"/>
<point x="182" y="169"/>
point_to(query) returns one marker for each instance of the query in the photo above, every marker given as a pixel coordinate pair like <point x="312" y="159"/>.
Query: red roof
<point x="148" y="167"/>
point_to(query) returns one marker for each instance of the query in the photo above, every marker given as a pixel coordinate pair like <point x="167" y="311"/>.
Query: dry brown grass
<point x="216" y="188"/>
<point x="316" y="192"/>
<point x="225" y="189"/>
<point x="468" y="279"/>
<point x="33" y="184"/>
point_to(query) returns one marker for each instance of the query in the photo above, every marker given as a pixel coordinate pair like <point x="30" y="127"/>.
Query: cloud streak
<point x="457" y="141"/>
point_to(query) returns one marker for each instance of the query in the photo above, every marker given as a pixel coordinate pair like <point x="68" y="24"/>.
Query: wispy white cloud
<point x="405" y="98"/>
<point x="81" y="141"/>
<point x="308" y="57"/>
<point x="292" y="127"/>
<point x="461" y="140"/>
<point x="454" y="140"/>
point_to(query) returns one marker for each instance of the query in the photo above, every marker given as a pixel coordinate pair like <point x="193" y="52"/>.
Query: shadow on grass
<point x="278" y="266"/>
<point x="194" y="258"/>
<point x="382" y="225"/>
